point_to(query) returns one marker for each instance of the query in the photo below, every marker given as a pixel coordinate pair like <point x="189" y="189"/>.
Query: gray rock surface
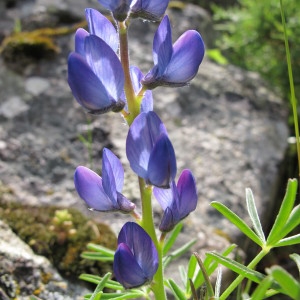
<point x="227" y="127"/>
<point x="22" y="273"/>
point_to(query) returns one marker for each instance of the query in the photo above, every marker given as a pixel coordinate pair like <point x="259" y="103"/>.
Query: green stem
<point x="240" y="278"/>
<point x="292" y="88"/>
<point x="133" y="107"/>
<point x="148" y="224"/>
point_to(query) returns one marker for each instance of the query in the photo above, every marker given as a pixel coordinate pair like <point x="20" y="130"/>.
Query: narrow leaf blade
<point x="254" y="215"/>
<point x="284" y="212"/>
<point x="237" y="221"/>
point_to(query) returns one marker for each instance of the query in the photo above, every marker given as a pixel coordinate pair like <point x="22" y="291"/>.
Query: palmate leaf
<point x="114" y="285"/>
<point x="290" y="286"/>
<point x="238" y="222"/>
<point x="254" y="215"/>
<point x="284" y="213"/>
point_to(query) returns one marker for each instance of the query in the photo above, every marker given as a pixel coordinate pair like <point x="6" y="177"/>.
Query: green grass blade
<point x="289" y="284"/>
<point x="172" y="238"/>
<point x="291" y="240"/>
<point x="100" y="287"/>
<point x="177" y="291"/>
<point x="254" y="215"/>
<point x="96" y="279"/>
<point x="178" y="252"/>
<point x="192" y="267"/>
<point x="284" y="213"/>
<point x="237" y="221"/>
<point x="261" y="290"/>
<point x="291" y="80"/>
<point x="101" y="249"/>
<point x="210" y="266"/>
<point x="210" y="291"/>
<point x="96" y="256"/>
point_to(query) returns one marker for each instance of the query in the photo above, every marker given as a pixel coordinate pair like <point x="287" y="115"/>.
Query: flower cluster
<point x="102" y="80"/>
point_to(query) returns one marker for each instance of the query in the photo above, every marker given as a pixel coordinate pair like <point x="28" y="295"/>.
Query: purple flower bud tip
<point x="136" y="258"/>
<point x="174" y="65"/>
<point x="119" y="8"/>
<point x="152" y="10"/>
<point x="178" y="201"/>
<point x="149" y="150"/>
<point x="103" y="194"/>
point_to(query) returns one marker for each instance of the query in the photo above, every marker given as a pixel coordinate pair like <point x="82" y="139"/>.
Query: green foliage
<point x="252" y="37"/>
<point x="59" y="234"/>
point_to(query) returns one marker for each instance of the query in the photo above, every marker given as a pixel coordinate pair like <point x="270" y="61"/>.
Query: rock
<point x="22" y="273"/>
<point x="36" y="85"/>
<point x="13" y="107"/>
<point x="227" y="126"/>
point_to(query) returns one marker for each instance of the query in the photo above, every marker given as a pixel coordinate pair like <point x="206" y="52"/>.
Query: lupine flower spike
<point x="103" y="194"/>
<point x="136" y="258"/>
<point x="178" y="201"/>
<point x="149" y="150"/>
<point x="96" y="76"/>
<point x="174" y="65"/>
<point x="152" y="10"/>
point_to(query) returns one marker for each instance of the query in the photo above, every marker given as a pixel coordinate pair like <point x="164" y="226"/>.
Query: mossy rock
<point x="59" y="234"/>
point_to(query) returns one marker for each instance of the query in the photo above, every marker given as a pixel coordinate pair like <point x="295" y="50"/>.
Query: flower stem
<point x="148" y="224"/>
<point x="133" y="107"/>
<point x="240" y="278"/>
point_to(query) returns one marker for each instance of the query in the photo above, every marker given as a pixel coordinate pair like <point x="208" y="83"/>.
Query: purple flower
<point x="174" y="65"/>
<point x="149" y="150"/>
<point x="136" y="258"/>
<point x="151" y="10"/>
<point x="119" y="8"/>
<point x="178" y="201"/>
<point x="103" y="194"/>
<point x="95" y="75"/>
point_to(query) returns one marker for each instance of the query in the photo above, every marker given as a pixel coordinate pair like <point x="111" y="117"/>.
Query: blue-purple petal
<point x="168" y="221"/>
<point x="141" y="246"/>
<point x="163" y="196"/>
<point x="143" y="132"/>
<point x="106" y="65"/>
<point x="99" y="25"/>
<point x="187" y="55"/>
<point x="85" y="85"/>
<point x="149" y="9"/>
<point x="162" y="46"/>
<point x="116" y="167"/>
<point x="80" y="36"/>
<point x="162" y="163"/>
<point x="124" y="204"/>
<point x="88" y="185"/>
<point x="187" y="192"/>
<point x="126" y="269"/>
